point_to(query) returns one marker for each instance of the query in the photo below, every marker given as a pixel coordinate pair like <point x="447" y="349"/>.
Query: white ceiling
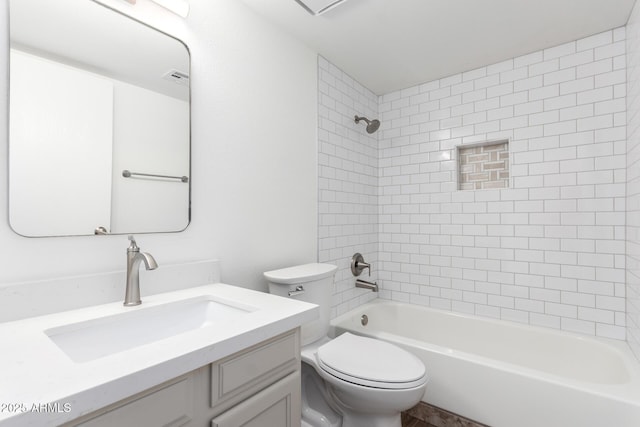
<point x="393" y="44"/>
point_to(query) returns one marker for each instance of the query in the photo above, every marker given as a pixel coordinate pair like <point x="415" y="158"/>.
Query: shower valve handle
<point x="358" y="264"/>
<point x="363" y="265"/>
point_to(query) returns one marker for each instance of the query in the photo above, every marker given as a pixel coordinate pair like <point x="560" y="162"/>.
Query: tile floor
<point x="425" y="415"/>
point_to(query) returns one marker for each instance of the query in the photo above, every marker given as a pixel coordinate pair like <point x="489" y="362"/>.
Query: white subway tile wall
<point x="633" y="180"/>
<point x="550" y="250"/>
<point x="348" y="182"/>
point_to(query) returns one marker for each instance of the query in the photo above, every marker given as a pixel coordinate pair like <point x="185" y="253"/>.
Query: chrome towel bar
<point x="128" y="174"/>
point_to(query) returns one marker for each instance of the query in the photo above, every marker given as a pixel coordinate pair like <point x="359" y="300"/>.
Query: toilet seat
<point x="370" y="362"/>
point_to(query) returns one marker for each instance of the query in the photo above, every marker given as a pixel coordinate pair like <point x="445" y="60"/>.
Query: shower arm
<point x="363" y="118"/>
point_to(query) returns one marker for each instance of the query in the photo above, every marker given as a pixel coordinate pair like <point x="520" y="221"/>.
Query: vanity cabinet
<point x="170" y="404"/>
<point x="258" y="386"/>
<point x="277" y="406"/>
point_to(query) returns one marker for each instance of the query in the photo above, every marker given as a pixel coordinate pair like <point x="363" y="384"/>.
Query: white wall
<point x="633" y="180"/>
<point x="254" y="167"/>
<point x="254" y="98"/>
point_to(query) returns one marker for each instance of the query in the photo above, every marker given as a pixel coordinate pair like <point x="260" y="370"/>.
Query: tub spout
<point x="367" y="285"/>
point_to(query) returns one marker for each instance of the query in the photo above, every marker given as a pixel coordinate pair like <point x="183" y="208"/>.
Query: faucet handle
<point x="133" y="247"/>
<point x="363" y="265"/>
<point x="358" y="264"/>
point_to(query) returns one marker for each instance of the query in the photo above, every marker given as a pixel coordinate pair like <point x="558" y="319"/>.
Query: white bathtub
<point x="506" y="374"/>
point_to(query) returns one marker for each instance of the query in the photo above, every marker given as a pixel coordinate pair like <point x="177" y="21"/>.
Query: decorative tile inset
<point x="483" y="166"/>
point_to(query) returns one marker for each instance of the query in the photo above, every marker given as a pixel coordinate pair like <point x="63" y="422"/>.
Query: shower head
<point x="372" y="125"/>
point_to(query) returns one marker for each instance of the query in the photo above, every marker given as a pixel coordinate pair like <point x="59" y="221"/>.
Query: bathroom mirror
<point x="99" y="122"/>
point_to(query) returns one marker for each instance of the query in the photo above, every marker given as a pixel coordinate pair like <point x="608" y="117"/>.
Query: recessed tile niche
<point x="484" y="165"/>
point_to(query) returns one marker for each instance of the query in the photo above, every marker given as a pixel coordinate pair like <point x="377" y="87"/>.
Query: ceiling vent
<point x="318" y="7"/>
<point x="177" y="77"/>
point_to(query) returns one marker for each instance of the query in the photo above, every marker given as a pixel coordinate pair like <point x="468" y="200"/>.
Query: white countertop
<point x="35" y="373"/>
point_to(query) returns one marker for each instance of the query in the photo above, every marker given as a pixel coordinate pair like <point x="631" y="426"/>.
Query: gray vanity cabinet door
<point x="170" y="405"/>
<point x="277" y="406"/>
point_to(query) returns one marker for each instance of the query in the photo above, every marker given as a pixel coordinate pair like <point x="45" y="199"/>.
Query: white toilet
<point x="348" y="381"/>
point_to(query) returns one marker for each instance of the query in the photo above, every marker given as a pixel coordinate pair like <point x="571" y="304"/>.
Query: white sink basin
<point x="89" y="340"/>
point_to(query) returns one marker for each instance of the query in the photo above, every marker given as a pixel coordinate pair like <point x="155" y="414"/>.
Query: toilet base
<point x="316" y="409"/>
<point x="324" y="405"/>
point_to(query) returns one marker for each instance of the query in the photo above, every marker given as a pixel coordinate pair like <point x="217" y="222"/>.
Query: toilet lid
<point x="371" y="362"/>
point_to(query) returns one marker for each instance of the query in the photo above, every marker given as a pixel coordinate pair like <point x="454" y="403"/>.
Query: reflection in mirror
<point x="94" y="93"/>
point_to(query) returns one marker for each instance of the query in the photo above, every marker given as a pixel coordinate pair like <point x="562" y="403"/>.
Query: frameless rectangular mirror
<point x="99" y="122"/>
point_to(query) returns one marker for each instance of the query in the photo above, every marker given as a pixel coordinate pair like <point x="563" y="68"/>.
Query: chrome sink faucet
<point x="134" y="257"/>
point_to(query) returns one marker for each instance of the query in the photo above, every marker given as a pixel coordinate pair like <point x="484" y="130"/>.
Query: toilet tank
<point x="317" y="287"/>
